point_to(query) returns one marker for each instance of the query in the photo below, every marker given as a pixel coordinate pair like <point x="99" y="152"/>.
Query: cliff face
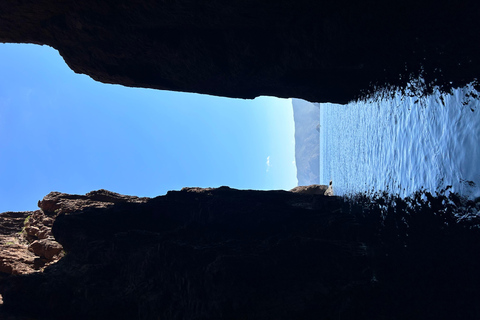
<point x="317" y="50"/>
<point x="232" y="254"/>
<point x="306" y="116"/>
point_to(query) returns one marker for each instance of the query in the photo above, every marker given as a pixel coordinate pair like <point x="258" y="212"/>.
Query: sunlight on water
<point x="401" y="143"/>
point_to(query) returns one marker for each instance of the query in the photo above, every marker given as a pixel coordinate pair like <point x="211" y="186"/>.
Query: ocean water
<point x="401" y="143"/>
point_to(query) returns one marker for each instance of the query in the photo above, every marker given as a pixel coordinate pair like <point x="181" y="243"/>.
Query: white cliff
<point x="307" y="141"/>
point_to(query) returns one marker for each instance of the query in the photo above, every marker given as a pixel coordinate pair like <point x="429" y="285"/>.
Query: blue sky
<point x="61" y="131"/>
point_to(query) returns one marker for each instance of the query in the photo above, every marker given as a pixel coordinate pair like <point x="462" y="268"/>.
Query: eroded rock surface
<point x="27" y="244"/>
<point x="26" y="239"/>
<point x="311" y="189"/>
<point x="14" y="255"/>
<point x="323" y="51"/>
<point x="243" y="254"/>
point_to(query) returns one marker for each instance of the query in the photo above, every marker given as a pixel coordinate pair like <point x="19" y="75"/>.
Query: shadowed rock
<point x="26" y="241"/>
<point x="331" y="50"/>
<point x="232" y="254"/>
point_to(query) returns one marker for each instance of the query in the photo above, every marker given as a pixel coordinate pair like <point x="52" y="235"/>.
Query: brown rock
<point x="14" y="255"/>
<point x="26" y="241"/>
<point x="46" y="248"/>
<point x="45" y="232"/>
<point x="56" y="203"/>
<point x="311" y="189"/>
<point x="15" y="258"/>
<point x="32" y="231"/>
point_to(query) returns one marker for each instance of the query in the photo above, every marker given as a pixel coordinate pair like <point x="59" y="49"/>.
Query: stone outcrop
<point x="311" y="189"/>
<point x="56" y="203"/>
<point x="27" y="244"/>
<point x="330" y="50"/>
<point x="26" y="239"/>
<point x="242" y="254"/>
<point x="315" y="189"/>
<point x="15" y="257"/>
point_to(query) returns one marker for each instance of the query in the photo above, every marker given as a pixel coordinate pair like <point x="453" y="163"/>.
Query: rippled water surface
<point x="402" y="143"/>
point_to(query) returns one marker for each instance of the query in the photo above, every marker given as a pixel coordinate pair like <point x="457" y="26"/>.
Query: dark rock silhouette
<point x="26" y="241"/>
<point x="232" y="254"/>
<point x="323" y="51"/>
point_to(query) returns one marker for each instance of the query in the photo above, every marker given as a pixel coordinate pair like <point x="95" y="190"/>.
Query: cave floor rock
<point x="242" y="254"/>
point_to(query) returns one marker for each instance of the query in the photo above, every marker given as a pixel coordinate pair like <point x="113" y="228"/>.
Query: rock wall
<point x="233" y="254"/>
<point x="324" y="51"/>
<point x="15" y="257"/>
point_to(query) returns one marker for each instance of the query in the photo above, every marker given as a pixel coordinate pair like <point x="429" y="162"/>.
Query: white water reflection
<point x="403" y="143"/>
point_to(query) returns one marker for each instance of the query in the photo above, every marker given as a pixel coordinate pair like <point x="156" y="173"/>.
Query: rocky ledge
<point x="243" y="254"/>
<point x="26" y="239"/>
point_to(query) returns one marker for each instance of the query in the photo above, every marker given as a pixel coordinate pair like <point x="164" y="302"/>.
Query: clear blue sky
<point x="61" y="131"/>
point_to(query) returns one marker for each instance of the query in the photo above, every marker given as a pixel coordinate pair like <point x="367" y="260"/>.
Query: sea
<point x="401" y="141"/>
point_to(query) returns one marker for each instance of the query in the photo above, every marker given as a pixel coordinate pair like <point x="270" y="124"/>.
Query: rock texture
<point x="232" y="254"/>
<point x="311" y="189"/>
<point x="15" y="257"/>
<point x="330" y="50"/>
<point x="26" y="241"/>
